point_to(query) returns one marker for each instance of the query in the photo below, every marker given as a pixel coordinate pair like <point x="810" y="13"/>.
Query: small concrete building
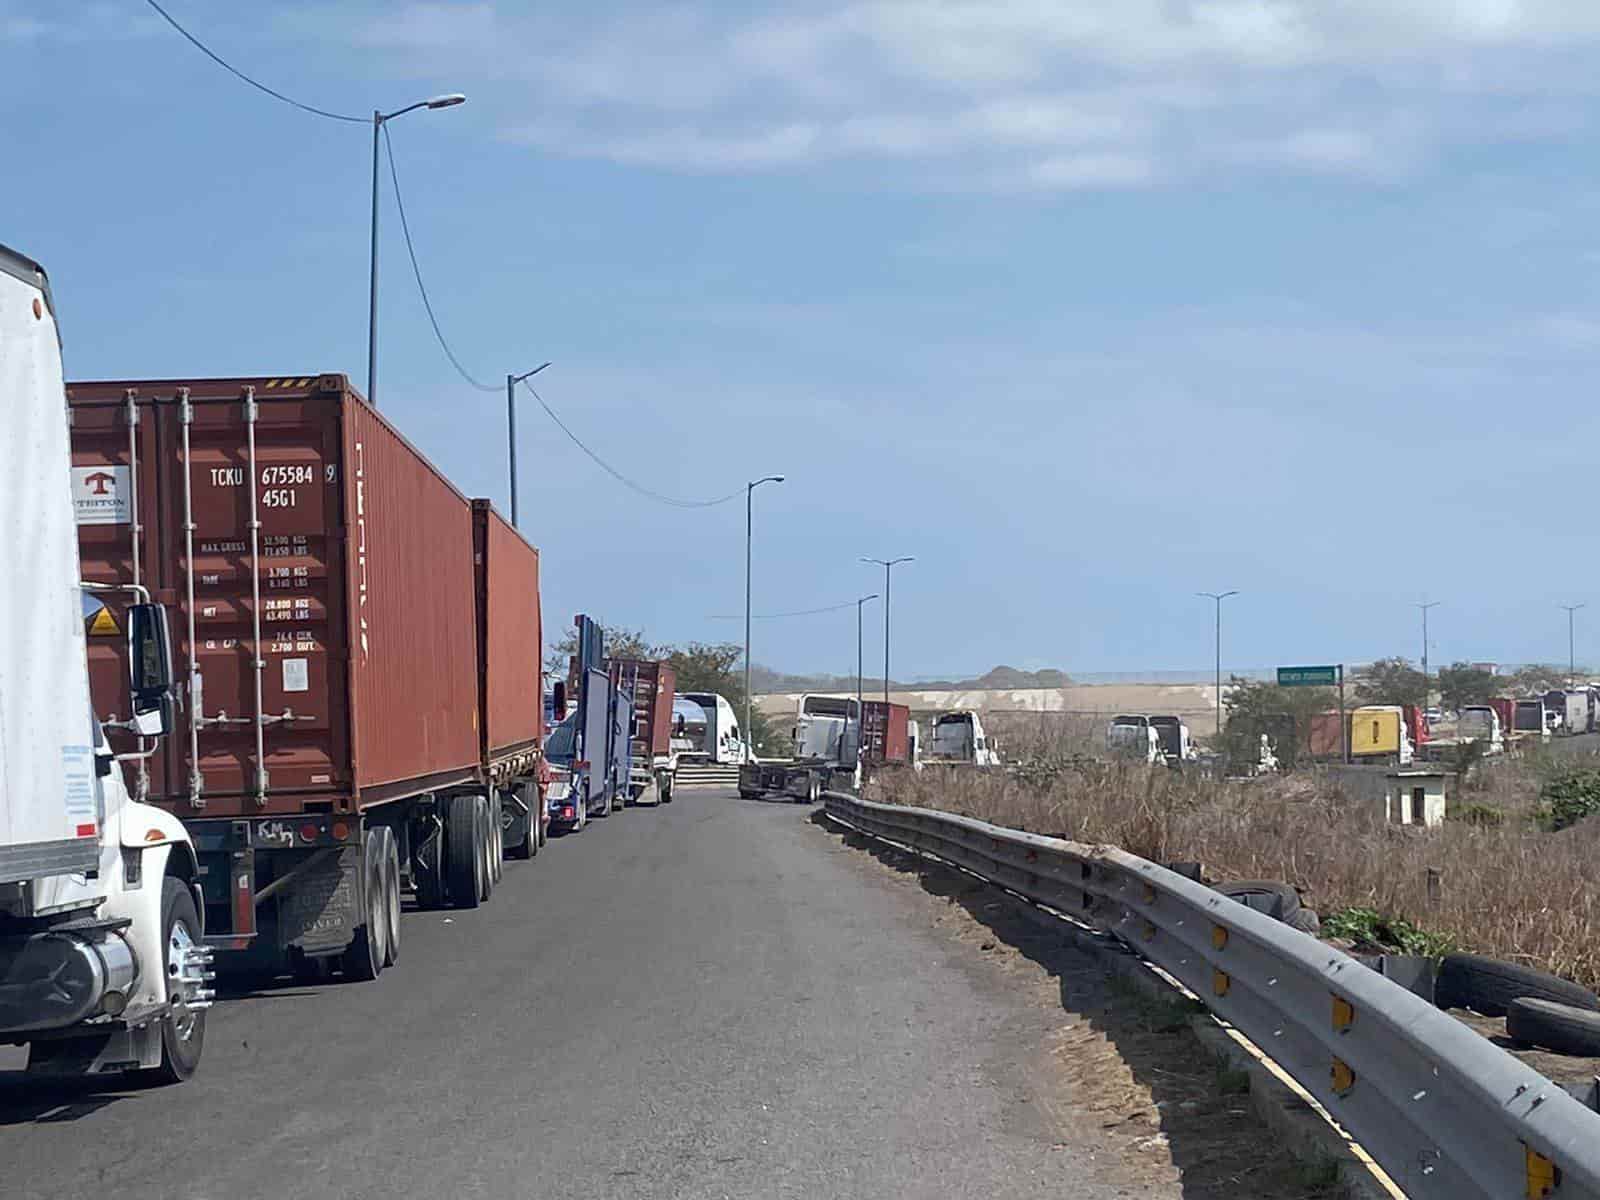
<point x="1415" y="796"/>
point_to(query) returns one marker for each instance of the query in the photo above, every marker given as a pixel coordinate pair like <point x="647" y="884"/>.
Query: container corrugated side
<point x="885" y="732"/>
<point x="413" y="627"/>
<point x="510" y="638"/>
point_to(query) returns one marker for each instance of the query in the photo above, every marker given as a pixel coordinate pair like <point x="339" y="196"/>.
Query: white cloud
<point x="1063" y="93"/>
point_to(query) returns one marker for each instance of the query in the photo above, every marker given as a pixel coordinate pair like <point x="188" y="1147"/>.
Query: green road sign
<point x="1308" y="676"/>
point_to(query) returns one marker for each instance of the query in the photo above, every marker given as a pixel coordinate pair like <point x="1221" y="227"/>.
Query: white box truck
<point x="102" y="963"/>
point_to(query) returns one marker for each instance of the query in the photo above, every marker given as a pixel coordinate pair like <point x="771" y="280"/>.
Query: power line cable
<point x="466" y="375"/>
<point x="405" y="228"/>
<point x="618" y="475"/>
<point x="259" y="86"/>
<point x="804" y="612"/>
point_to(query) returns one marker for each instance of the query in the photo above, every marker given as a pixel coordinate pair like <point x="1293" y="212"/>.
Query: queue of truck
<point x="264" y="670"/>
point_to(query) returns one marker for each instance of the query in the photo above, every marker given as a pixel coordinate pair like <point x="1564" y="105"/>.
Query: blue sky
<point x="1087" y="306"/>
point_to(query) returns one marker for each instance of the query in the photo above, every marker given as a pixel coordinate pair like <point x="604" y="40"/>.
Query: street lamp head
<point x="864" y="599"/>
<point x="755" y="483"/>
<point x="448" y="100"/>
<point x="530" y="374"/>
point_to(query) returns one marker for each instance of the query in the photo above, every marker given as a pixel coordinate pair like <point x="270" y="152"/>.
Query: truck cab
<point x="1134" y="737"/>
<point x="959" y="737"/>
<point x="1481" y="723"/>
<point x="103" y="967"/>
<point x="1176" y="745"/>
<point x="825" y="727"/>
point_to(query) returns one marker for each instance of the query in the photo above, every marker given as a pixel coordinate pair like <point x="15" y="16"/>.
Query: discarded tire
<point x="1488" y="986"/>
<point x="1274" y="899"/>
<point x="1558" y="1027"/>
<point x="1305" y="920"/>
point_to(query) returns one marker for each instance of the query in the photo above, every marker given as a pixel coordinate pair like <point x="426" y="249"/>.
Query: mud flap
<point x="318" y="913"/>
<point x="100" y="1054"/>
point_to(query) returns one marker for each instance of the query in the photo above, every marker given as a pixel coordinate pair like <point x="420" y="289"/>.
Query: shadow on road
<point x="1138" y="1066"/>
<point x="27" y="1100"/>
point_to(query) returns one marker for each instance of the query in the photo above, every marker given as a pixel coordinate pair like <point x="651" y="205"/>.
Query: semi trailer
<point x="358" y="650"/>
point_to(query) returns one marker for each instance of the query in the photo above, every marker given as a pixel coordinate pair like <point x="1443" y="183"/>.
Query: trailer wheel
<point x="488" y="840"/>
<point x="463" y="851"/>
<point x="497" y="839"/>
<point x="391" y="896"/>
<point x="364" y="960"/>
<point x="666" y="785"/>
<point x="183" y="1030"/>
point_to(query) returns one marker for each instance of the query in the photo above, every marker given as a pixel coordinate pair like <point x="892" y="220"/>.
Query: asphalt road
<point x="703" y="1000"/>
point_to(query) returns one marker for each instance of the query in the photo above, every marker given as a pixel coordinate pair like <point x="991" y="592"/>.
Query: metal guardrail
<point x="1445" y="1113"/>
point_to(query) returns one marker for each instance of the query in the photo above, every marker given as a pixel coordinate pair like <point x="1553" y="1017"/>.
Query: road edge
<point x="1309" y="1133"/>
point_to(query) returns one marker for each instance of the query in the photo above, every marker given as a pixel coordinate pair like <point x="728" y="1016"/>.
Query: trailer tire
<point x="367" y="954"/>
<point x="485" y="849"/>
<point x="497" y="840"/>
<point x="463" y="851"/>
<point x="666" y="788"/>
<point x="1488" y="986"/>
<point x="183" y="1034"/>
<point x="391" y="896"/>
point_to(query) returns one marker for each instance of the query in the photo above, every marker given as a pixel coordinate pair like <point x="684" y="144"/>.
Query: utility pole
<point x="1572" y="661"/>
<point x="378" y="119"/>
<point x="886" y="564"/>
<point x="749" y="490"/>
<point x="1426" y="689"/>
<point x="1219" y="597"/>
<point x="511" y="430"/>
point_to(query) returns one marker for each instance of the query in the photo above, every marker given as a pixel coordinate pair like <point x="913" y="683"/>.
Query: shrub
<point x="1570" y="795"/>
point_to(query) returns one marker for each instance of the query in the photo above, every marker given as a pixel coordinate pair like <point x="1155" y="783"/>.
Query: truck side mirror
<point x="150" y="669"/>
<point x="149" y="651"/>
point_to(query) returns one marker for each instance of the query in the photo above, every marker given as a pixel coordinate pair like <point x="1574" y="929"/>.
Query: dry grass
<point x="1508" y="890"/>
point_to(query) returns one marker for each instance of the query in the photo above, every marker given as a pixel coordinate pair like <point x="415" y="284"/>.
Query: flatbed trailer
<point x="885" y="741"/>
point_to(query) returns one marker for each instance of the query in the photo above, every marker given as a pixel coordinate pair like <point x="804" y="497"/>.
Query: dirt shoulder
<point x="1110" y="1071"/>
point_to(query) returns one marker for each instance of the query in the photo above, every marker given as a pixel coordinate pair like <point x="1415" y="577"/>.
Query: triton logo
<point x="100" y="482"/>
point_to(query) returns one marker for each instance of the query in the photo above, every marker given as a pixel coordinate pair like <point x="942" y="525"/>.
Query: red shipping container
<point x="1325" y="738"/>
<point x="510" y="640"/>
<point x="652" y="685"/>
<point x="885" y="729"/>
<point x="330" y="652"/>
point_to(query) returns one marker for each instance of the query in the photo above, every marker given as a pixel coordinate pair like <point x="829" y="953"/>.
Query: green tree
<point x="619" y="643"/>
<point x="1284" y="714"/>
<point x="1462" y="683"/>
<point x="1391" y="681"/>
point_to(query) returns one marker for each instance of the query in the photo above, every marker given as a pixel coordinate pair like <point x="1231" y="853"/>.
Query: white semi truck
<point x="103" y="967"/>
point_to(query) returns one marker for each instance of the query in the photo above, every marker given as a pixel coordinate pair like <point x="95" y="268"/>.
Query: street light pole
<point x="511" y="430"/>
<point x="886" y="564"/>
<point x="1425" y="607"/>
<point x="1572" y="661"/>
<point x="749" y="490"/>
<point x="1219" y="597"/>
<point x="378" y="118"/>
